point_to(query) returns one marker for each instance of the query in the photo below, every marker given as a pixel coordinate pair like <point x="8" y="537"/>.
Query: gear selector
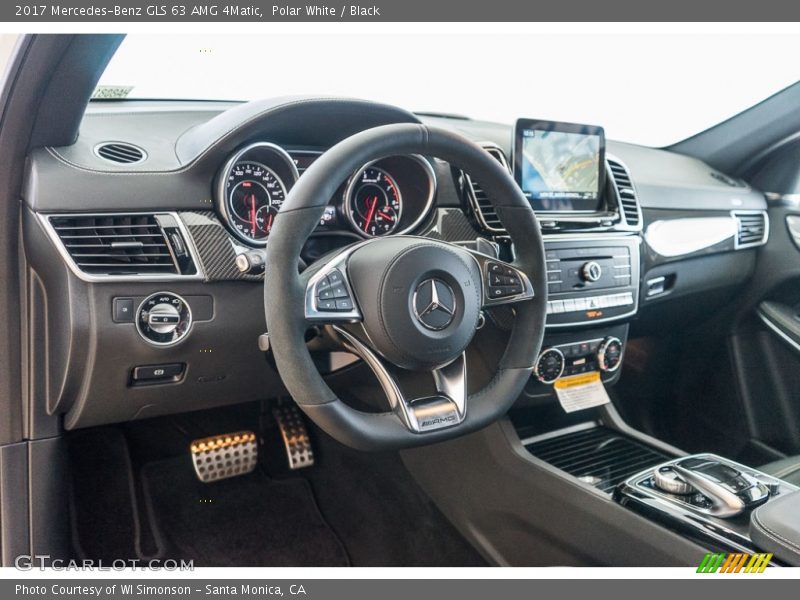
<point x="720" y="489"/>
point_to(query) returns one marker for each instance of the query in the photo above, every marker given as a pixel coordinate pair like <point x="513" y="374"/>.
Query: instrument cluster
<point x="389" y="196"/>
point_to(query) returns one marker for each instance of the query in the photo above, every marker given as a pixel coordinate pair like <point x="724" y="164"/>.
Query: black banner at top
<point x="155" y="11"/>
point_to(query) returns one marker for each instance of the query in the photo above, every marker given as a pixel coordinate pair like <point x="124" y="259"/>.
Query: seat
<point x="787" y="469"/>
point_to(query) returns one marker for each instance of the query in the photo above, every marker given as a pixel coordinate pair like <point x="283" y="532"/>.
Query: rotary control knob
<point x="163" y="319"/>
<point x="591" y="271"/>
<point x="549" y="365"/>
<point x="669" y="481"/>
<point x="609" y="354"/>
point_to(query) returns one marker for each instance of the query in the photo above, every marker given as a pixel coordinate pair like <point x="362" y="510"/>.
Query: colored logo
<point x="722" y="562"/>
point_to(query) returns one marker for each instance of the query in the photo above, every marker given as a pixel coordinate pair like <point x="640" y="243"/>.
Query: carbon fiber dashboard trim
<point x="452" y="225"/>
<point x="215" y="247"/>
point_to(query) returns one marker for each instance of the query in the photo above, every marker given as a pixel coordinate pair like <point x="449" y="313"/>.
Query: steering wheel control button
<point x="123" y="310"/>
<point x="335" y="276"/>
<point x="504" y="282"/>
<point x="163" y="319"/>
<point x="434" y="304"/>
<point x="549" y="366"/>
<point x="332" y="293"/>
<point x="344" y="304"/>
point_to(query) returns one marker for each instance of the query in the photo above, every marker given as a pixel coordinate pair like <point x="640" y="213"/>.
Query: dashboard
<point x="140" y="305"/>
<point x="393" y="195"/>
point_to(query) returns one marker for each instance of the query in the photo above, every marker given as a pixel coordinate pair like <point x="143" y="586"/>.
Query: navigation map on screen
<point x="559" y="170"/>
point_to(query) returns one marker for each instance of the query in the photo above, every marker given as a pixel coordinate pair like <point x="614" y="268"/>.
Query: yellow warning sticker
<point x="573" y="380"/>
<point x="578" y="392"/>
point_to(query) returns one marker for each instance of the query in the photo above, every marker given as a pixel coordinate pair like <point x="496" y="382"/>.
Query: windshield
<point x="648" y="89"/>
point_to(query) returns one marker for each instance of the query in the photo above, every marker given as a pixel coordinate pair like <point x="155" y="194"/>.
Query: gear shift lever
<point x="730" y="491"/>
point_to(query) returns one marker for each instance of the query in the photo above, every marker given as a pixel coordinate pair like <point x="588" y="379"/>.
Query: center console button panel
<point x="591" y="280"/>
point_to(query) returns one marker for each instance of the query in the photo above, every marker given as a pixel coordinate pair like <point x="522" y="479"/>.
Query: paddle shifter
<point x="711" y="485"/>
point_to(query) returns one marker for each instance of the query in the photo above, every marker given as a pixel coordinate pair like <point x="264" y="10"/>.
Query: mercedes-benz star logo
<point x="434" y="304"/>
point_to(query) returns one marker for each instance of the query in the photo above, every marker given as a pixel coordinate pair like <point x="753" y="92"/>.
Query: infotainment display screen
<point x="559" y="166"/>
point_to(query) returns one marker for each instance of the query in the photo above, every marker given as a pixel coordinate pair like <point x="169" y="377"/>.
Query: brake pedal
<point x="296" y="439"/>
<point x="223" y="456"/>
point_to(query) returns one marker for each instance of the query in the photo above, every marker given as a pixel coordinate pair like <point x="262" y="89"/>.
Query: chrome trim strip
<point x="776" y="329"/>
<point x="449" y="380"/>
<point x="44" y="220"/>
<point x="679" y="237"/>
<point x="222" y="177"/>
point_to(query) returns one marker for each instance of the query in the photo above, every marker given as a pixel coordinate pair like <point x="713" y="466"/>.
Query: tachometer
<point x="373" y="202"/>
<point x="254" y="194"/>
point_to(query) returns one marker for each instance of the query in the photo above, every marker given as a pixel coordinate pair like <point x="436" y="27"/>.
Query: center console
<point x="591" y="280"/>
<point x="705" y="497"/>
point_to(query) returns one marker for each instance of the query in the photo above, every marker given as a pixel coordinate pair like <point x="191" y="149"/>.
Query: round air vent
<point x="120" y="152"/>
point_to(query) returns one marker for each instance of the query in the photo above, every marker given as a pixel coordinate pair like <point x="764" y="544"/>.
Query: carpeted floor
<point x="134" y="496"/>
<point x="250" y="520"/>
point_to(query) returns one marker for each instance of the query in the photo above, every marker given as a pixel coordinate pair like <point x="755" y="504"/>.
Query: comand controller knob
<point x="591" y="271"/>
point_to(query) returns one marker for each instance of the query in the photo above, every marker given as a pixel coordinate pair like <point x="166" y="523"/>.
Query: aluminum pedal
<point x="295" y="436"/>
<point x="222" y="456"/>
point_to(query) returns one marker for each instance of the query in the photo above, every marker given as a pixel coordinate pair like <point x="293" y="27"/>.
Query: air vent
<point x="752" y="228"/>
<point x="120" y="152"/>
<point x="598" y="456"/>
<point x="481" y="205"/>
<point x="117" y="244"/>
<point x="626" y="193"/>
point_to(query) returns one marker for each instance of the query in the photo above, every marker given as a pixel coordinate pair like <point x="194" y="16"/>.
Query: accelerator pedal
<point x="295" y="436"/>
<point x="223" y="456"/>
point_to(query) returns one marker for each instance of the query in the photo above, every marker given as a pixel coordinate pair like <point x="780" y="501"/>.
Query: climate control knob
<point x="549" y="365"/>
<point x="609" y="354"/>
<point x="163" y="319"/>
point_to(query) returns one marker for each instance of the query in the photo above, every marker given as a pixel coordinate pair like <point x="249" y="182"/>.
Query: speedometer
<point x="373" y="202"/>
<point x="254" y="194"/>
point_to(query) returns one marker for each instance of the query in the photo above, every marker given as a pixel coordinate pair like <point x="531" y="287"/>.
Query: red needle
<point x="371" y="213"/>
<point x="269" y="222"/>
<point x="253" y="212"/>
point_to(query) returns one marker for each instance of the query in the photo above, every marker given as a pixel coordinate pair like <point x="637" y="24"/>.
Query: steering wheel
<point x="404" y="302"/>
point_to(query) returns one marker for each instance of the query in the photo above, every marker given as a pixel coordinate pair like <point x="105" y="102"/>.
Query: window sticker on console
<point x="579" y="392"/>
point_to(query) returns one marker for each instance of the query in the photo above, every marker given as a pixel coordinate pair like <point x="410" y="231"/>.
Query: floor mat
<point x="380" y="513"/>
<point x="250" y="520"/>
<point x="102" y="496"/>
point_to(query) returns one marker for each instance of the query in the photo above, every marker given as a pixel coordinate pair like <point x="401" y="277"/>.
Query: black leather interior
<point x="775" y="527"/>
